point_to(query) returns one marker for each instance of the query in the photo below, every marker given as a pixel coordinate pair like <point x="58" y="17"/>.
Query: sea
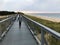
<point x="53" y="15"/>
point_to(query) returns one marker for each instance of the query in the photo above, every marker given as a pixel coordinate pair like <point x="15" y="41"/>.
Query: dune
<point x="48" y="18"/>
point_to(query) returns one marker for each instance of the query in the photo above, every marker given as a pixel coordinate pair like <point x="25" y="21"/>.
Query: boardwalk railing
<point x="6" y="24"/>
<point x="43" y="29"/>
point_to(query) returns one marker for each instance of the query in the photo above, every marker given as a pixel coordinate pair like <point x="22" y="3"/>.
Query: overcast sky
<point x="30" y="5"/>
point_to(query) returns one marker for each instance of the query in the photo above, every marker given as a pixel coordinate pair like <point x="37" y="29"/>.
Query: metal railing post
<point x="42" y="37"/>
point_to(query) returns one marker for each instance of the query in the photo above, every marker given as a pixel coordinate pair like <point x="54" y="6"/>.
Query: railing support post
<point x="42" y="37"/>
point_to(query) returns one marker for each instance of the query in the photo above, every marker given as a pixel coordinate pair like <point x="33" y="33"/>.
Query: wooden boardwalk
<point x="18" y="35"/>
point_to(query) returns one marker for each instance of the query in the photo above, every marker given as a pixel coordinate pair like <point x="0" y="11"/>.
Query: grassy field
<point x="53" y="25"/>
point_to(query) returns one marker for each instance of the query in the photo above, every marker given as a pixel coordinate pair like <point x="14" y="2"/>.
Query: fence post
<point x="42" y="37"/>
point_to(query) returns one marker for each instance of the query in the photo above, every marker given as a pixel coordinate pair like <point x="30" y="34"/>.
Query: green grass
<point x="53" y="25"/>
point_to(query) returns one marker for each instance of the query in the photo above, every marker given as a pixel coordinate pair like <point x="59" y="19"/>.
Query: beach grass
<point x="53" y="25"/>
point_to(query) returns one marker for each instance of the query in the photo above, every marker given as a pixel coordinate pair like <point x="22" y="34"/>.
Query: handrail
<point x="43" y="28"/>
<point x="5" y="25"/>
<point x="5" y="19"/>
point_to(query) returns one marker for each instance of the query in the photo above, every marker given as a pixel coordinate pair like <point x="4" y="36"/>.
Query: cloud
<point x="53" y="5"/>
<point x="16" y="4"/>
<point x="48" y="5"/>
<point x="39" y="5"/>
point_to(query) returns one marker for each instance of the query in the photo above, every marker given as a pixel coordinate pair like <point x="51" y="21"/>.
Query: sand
<point x="3" y="16"/>
<point x="48" y="18"/>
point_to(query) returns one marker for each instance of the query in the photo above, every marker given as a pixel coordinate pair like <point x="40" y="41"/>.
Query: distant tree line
<point x="6" y="12"/>
<point x="20" y="13"/>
